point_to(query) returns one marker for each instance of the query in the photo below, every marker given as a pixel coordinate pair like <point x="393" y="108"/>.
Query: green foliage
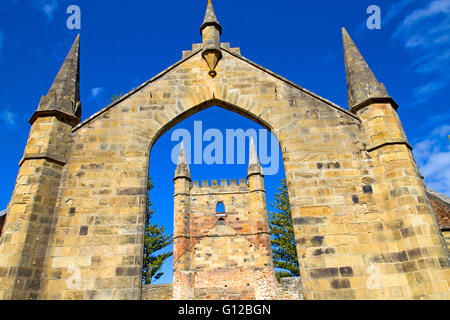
<point x="284" y="250"/>
<point x="116" y="97"/>
<point x="155" y="240"/>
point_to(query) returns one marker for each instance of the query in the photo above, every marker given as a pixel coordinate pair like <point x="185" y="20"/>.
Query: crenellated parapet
<point x="219" y="186"/>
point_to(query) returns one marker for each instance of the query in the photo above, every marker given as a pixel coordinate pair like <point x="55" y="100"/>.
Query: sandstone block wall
<point x="29" y="223"/>
<point x="290" y="289"/>
<point x="157" y="292"/>
<point x="363" y="225"/>
<point x="446" y="233"/>
<point x="287" y="289"/>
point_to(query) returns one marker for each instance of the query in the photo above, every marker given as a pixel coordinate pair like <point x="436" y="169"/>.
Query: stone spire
<point x="361" y="82"/>
<point x="254" y="167"/>
<point x="182" y="170"/>
<point x="64" y="94"/>
<point x="210" y="19"/>
<point x="211" y="31"/>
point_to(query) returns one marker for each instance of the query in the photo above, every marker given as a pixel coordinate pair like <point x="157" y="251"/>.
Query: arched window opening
<point x="220" y="211"/>
<point x="220" y="208"/>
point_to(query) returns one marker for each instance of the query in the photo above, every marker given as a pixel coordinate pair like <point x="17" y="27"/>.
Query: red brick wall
<point x="441" y="209"/>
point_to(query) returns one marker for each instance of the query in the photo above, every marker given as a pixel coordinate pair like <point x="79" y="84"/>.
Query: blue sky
<point x="124" y="43"/>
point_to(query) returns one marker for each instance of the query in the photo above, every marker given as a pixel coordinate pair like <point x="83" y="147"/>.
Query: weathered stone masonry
<point x="287" y="289"/>
<point x="364" y="226"/>
<point x="222" y="255"/>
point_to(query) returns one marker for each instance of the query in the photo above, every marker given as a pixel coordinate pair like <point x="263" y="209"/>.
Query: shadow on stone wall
<point x="2" y="222"/>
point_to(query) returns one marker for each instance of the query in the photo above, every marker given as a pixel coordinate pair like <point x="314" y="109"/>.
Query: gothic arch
<point x="208" y="104"/>
<point x="117" y="140"/>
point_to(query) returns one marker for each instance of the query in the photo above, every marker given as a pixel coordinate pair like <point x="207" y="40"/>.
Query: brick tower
<point x="227" y="254"/>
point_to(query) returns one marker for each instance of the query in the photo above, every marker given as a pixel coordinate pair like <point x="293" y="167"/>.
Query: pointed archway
<point x="226" y="125"/>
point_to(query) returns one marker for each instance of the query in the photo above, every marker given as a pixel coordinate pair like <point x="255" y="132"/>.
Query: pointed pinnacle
<point x="253" y="159"/>
<point x="67" y="80"/>
<point x="210" y="18"/>
<point x="253" y="163"/>
<point x="210" y="15"/>
<point x="182" y="165"/>
<point x="361" y="82"/>
<point x="64" y="93"/>
<point x="182" y="155"/>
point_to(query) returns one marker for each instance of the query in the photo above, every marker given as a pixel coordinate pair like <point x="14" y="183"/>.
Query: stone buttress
<point x="24" y="242"/>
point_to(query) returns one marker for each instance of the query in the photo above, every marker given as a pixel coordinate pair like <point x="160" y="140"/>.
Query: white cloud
<point x="434" y="8"/>
<point x="423" y="28"/>
<point x="425" y="92"/>
<point x="431" y="63"/>
<point x="425" y="31"/>
<point x="390" y="13"/>
<point x="47" y="7"/>
<point x="432" y="123"/>
<point x="436" y="171"/>
<point x="442" y="131"/>
<point x="95" y="92"/>
<point x="8" y="119"/>
<point x="398" y="7"/>
<point x="433" y="158"/>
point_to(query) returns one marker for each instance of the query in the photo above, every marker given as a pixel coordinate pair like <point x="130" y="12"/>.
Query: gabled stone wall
<point x="364" y="228"/>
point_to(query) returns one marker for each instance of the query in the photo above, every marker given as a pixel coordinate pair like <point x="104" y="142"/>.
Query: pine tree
<point x="155" y="239"/>
<point x="284" y="250"/>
